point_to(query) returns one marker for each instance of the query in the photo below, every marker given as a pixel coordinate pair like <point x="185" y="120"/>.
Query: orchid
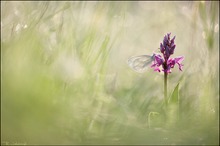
<point x="165" y="61"/>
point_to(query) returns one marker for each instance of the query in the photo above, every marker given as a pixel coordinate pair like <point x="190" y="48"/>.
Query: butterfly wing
<point x="140" y="63"/>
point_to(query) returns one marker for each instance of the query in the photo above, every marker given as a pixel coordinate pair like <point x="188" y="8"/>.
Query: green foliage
<point x="65" y="79"/>
<point x="208" y="16"/>
<point x="173" y="107"/>
<point x="174" y="98"/>
<point x="153" y="119"/>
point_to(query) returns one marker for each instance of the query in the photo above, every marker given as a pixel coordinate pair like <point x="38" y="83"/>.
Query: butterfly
<point x="140" y="63"/>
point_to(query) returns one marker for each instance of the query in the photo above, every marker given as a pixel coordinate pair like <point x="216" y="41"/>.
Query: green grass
<point x="64" y="77"/>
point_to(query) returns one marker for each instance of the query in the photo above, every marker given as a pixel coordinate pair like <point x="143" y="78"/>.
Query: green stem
<point x="165" y="88"/>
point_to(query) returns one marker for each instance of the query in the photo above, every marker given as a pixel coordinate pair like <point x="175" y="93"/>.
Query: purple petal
<point x="167" y="53"/>
<point x="171" y="62"/>
<point x="168" y="35"/>
<point x="157" y="69"/>
<point x="161" y="48"/>
<point x="172" y="48"/>
<point x="158" y="59"/>
<point x="172" y="41"/>
<point x="179" y="60"/>
<point x="153" y="65"/>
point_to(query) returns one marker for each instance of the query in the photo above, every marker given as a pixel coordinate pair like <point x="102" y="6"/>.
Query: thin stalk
<point x="165" y="88"/>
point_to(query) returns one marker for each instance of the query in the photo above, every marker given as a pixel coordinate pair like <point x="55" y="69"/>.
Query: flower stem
<point x="165" y="88"/>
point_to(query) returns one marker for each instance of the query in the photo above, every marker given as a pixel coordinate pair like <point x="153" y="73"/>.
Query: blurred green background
<point x="65" y="80"/>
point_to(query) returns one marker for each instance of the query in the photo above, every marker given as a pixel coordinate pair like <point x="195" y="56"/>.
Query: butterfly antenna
<point x="156" y="50"/>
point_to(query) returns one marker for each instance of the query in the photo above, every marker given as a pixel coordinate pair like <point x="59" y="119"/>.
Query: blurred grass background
<point x="64" y="77"/>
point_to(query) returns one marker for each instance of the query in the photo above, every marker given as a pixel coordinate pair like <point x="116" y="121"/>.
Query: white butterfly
<point x="140" y="63"/>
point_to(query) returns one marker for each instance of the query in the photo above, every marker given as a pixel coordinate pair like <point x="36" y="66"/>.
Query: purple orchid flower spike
<point x="167" y="49"/>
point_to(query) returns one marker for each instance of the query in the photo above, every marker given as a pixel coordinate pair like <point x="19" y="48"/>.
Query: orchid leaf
<point x="174" y="98"/>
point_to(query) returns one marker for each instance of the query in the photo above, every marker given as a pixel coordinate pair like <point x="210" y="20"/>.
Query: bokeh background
<point x="65" y="78"/>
